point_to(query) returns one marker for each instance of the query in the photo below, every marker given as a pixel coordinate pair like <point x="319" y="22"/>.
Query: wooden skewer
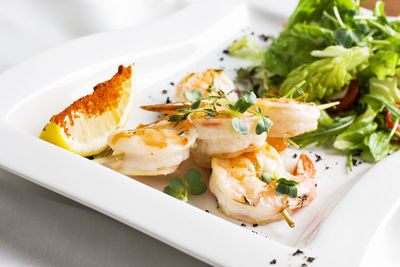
<point x="328" y="105"/>
<point x="287" y="218"/>
<point x="293" y="144"/>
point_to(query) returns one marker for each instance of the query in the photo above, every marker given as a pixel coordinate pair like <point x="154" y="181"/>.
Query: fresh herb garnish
<point x="176" y="189"/>
<point x="240" y="126"/>
<point x="194" y="95"/>
<point x="218" y="103"/>
<point x="191" y="184"/>
<point x="286" y="187"/>
<point x="283" y="186"/>
<point x="266" y="178"/>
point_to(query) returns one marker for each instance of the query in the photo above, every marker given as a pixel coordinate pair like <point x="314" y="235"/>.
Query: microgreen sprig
<point x="283" y="187"/>
<point x="248" y="100"/>
<point x="220" y="100"/>
<point x="191" y="184"/>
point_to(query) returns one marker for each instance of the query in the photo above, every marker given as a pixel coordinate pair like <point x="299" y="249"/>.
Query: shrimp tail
<point x="168" y="109"/>
<point x="305" y="166"/>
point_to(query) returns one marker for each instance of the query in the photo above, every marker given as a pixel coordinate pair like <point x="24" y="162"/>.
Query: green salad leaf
<point x="353" y="137"/>
<point x="324" y="46"/>
<point x="247" y="48"/>
<point x="327" y="75"/>
<point x="383" y="63"/>
<point x="327" y="128"/>
<point x="387" y="88"/>
<point x="377" y="146"/>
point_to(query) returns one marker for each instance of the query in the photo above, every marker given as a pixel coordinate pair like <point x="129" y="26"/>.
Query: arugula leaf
<point x="352" y="138"/>
<point x="377" y="146"/>
<point x="286" y="187"/>
<point x="326" y="129"/>
<point x="175" y="188"/>
<point x="193" y="184"/>
<point x="194" y="95"/>
<point x="377" y="100"/>
<point x="240" y="126"/>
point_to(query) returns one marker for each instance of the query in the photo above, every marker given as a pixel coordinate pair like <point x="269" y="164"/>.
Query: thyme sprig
<point x="217" y="103"/>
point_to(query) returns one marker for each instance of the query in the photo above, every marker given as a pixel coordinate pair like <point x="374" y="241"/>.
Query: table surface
<point x="39" y="227"/>
<point x="392" y="7"/>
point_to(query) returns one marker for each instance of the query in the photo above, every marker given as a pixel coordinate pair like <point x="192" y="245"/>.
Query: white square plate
<point x="164" y="51"/>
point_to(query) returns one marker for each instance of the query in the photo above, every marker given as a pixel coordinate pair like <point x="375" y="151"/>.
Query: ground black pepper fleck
<point x="172" y="83"/>
<point x="221" y="59"/>
<point x="310" y="259"/>
<point x="297" y="252"/>
<point x="356" y="162"/>
<point x="303" y="265"/>
<point x="226" y="51"/>
<point x="294" y="155"/>
<point x="206" y="210"/>
<point x="252" y="33"/>
<point x="263" y="37"/>
<point x="318" y="157"/>
<point x="244" y="225"/>
<point x="164" y="92"/>
<point x="273" y="261"/>
<point x="327" y="167"/>
<point x="168" y="100"/>
<point x="255" y="224"/>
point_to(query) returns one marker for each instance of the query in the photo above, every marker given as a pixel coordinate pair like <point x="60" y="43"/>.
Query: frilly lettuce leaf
<point x="309" y="28"/>
<point x="308" y="11"/>
<point x="388" y="88"/>
<point x="328" y="75"/>
<point x="383" y="63"/>
<point x="247" y="48"/>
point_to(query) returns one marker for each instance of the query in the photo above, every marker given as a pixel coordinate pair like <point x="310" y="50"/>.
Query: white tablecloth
<point x="41" y="228"/>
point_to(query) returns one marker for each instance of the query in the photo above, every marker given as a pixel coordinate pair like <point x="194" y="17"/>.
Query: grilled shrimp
<point x="148" y="150"/>
<point x="217" y="138"/>
<point x="241" y="194"/>
<point x="289" y="116"/>
<point x="202" y="81"/>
